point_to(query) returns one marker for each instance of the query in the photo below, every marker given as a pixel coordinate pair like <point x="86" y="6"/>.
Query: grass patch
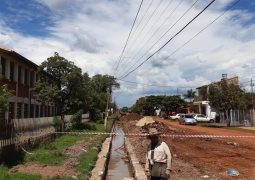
<point x="88" y="160"/>
<point x="52" y="153"/>
<point x="4" y="174"/>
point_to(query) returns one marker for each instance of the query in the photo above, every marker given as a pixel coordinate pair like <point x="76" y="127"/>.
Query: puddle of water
<point x="118" y="166"/>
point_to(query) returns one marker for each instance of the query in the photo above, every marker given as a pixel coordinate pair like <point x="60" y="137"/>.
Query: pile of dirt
<point x="145" y="121"/>
<point x="132" y="117"/>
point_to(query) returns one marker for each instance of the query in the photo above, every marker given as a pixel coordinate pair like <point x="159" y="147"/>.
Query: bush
<point x="76" y="119"/>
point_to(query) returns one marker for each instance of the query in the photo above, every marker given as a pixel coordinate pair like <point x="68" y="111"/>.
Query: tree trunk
<point x="228" y="118"/>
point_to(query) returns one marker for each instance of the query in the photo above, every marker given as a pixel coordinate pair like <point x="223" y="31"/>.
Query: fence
<point x="22" y="129"/>
<point x="238" y="117"/>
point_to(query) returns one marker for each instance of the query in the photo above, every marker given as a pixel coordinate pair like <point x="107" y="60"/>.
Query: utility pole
<point x="252" y="94"/>
<point x="106" y="109"/>
<point x="252" y="123"/>
<point x="177" y="91"/>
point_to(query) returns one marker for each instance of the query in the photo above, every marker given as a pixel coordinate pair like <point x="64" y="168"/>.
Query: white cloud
<point x="92" y="33"/>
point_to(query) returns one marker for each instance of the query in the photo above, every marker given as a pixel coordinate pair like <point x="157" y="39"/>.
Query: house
<point x="202" y="100"/>
<point x="20" y="75"/>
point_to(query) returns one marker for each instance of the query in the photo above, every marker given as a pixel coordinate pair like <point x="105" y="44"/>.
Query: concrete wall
<point x="99" y="171"/>
<point x="138" y="170"/>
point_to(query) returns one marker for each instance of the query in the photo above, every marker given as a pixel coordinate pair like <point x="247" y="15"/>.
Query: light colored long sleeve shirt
<point x="161" y="154"/>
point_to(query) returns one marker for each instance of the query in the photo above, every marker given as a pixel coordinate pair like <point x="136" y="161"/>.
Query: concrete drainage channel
<point x="117" y="160"/>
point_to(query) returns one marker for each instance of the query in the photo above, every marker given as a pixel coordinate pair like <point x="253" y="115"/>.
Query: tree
<point x="224" y="97"/>
<point x="71" y="90"/>
<point x="148" y="104"/>
<point x="101" y="87"/>
<point x="65" y="87"/>
<point x="4" y="97"/>
<point x="4" y="102"/>
<point x="190" y="95"/>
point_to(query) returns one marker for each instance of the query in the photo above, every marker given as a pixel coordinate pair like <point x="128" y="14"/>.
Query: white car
<point x="202" y="118"/>
<point x="177" y="116"/>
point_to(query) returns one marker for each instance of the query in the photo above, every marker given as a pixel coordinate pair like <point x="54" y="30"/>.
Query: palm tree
<point x="190" y="95"/>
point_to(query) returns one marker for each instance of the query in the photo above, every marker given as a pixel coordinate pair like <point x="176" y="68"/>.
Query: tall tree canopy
<point x="224" y="97"/>
<point x="190" y="95"/>
<point x="148" y="104"/>
<point x="71" y="90"/>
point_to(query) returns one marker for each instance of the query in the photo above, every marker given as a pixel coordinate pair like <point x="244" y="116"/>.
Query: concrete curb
<point x="138" y="170"/>
<point x="99" y="171"/>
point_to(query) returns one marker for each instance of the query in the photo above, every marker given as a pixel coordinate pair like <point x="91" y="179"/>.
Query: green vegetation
<point x="72" y="90"/>
<point x="52" y="153"/>
<point x="88" y="160"/>
<point x="190" y="95"/>
<point x="148" y="104"/>
<point x="4" y="96"/>
<point x="4" y="174"/>
<point x="224" y="97"/>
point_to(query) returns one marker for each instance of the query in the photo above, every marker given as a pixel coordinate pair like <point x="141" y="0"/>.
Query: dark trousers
<point x="158" y="178"/>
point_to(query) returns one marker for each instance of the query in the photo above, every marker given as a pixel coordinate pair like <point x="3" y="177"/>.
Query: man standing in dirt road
<point x="158" y="157"/>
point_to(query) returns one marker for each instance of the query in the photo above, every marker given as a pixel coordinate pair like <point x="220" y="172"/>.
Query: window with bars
<point x="19" y="110"/>
<point x="12" y="71"/>
<point x="3" y="64"/>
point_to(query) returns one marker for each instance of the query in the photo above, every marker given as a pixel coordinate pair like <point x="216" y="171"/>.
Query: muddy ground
<point x="200" y="158"/>
<point x="66" y="169"/>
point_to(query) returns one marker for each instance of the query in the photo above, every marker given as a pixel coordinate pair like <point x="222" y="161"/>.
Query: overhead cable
<point x="207" y="26"/>
<point x="168" y="40"/>
<point x="163" y="35"/>
<point x="134" y="45"/>
<point x="129" y="36"/>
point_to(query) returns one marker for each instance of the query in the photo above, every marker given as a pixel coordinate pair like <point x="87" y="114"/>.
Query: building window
<point x="26" y="77"/>
<point x="25" y="110"/>
<point x="42" y="111"/>
<point x="19" y="75"/>
<point x="12" y="71"/>
<point x="31" y="111"/>
<point x="11" y="110"/>
<point x="32" y="79"/>
<point x="37" y="111"/>
<point x="19" y="110"/>
<point x="3" y="64"/>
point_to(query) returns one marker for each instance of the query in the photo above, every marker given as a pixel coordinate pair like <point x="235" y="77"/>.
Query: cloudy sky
<point x="92" y="33"/>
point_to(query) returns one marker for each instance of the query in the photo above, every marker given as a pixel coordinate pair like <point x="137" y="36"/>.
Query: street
<point x="200" y="158"/>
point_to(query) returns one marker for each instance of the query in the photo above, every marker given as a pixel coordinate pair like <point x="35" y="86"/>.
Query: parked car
<point x="187" y="119"/>
<point x="202" y="118"/>
<point x="177" y="116"/>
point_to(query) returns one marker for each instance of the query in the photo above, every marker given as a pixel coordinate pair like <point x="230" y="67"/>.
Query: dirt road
<point x="203" y="158"/>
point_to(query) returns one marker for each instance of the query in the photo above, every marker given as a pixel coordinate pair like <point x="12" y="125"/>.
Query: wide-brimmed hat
<point x="153" y="132"/>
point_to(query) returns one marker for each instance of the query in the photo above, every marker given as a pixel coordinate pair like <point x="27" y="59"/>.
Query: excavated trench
<point x="118" y="166"/>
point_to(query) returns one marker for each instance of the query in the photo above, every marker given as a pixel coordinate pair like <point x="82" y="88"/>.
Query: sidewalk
<point x="248" y="128"/>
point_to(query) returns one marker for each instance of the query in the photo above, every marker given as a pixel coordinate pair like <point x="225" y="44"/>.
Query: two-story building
<point x="20" y="75"/>
<point x="202" y="99"/>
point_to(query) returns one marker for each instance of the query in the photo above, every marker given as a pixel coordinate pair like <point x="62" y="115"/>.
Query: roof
<point x="18" y="56"/>
<point x="228" y="79"/>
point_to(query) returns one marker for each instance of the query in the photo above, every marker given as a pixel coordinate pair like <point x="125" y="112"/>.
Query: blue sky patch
<point x="26" y="17"/>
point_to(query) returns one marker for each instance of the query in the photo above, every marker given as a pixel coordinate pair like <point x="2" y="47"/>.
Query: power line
<point x="144" y="14"/>
<point x="163" y="35"/>
<point x="156" y="85"/>
<point x="169" y="40"/>
<point x="218" y="17"/>
<point x="148" y="20"/>
<point x="159" y="17"/>
<point x="129" y="35"/>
